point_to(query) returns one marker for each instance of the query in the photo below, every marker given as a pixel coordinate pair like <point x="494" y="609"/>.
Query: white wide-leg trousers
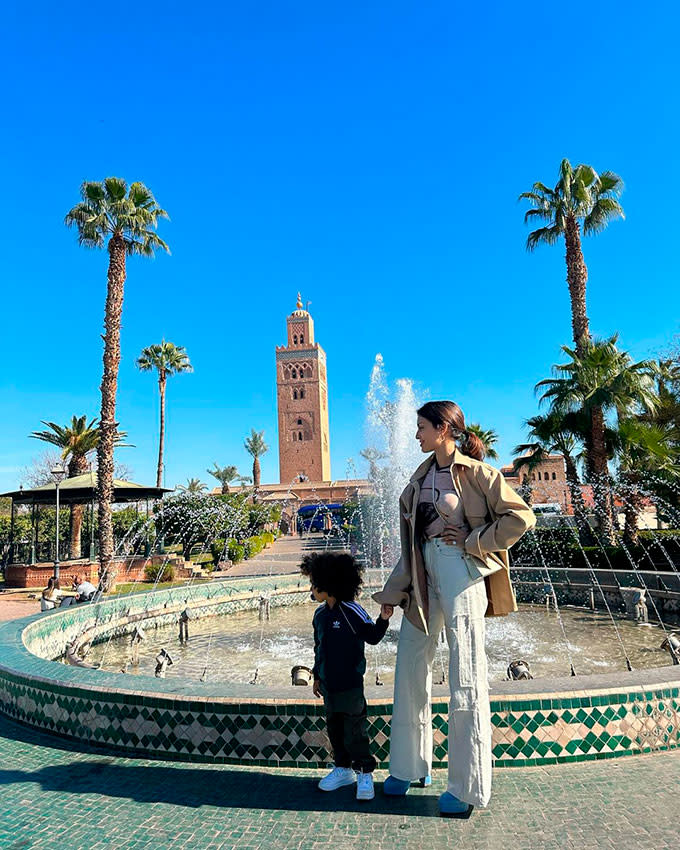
<point x="457" y="603"/>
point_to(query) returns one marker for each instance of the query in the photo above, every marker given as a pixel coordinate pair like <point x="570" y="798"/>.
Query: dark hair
<point x="448" y="413"/>
<point x="334" y="573"/>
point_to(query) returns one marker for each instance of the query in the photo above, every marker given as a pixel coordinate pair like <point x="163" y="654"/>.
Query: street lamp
<point x="58" y="473"/>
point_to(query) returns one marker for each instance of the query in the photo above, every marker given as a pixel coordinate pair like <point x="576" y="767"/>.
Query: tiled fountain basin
<point x="536" y="722"/>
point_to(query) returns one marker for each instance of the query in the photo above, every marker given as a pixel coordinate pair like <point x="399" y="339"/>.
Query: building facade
<point x="548" y="482"/>
<point x="302" y="400"/>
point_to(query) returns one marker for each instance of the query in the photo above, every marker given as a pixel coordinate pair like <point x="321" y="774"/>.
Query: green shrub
<point x="217" y="550"/>
<point x="167" y="572"/>
<point x="235" y="552"/>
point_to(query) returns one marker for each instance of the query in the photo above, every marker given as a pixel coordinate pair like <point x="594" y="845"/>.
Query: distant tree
<point x="553" y="434"/>
<point x="123" y="220"/>
<point x="76" y="441"/>
<point x="167" y="359"/>
<point x="256" y="446"/>
<point x="581" y="199"/>
<point x="226" y="474"/>
<point x="193" y="485"/>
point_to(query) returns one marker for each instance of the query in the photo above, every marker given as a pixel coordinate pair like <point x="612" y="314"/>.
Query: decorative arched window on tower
<point x="546" y="477"/>
<point x="294" y="339"/>
<point x="299" y="422"/>
<point x="302" y="393"/>
<point x="294" y="374"/>
<point x="554" y="477"/>
<point x="294" y="436"/>
<point x="299" y="435"/>
<point x="302" y="339"/>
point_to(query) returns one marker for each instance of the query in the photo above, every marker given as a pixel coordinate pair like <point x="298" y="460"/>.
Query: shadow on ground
<point x="194" y="786"/>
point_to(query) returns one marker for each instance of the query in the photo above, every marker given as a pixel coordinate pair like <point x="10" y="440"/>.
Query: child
<point x="341" y="627"/>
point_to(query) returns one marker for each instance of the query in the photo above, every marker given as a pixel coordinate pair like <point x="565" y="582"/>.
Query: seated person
<point x="84" y="589"/>
<point x="51" y="594"/>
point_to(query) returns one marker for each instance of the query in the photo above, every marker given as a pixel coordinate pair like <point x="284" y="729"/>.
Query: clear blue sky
<point x="367" y="154"/>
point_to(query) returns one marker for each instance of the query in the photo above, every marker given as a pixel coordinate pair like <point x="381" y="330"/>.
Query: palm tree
<point x="581" y="199"/>
<point x="552" y="434"/>
<point x="193" y="485"/>
<point x="642" y="448"/>
<point x="124" y="222"/>
<point x="600" y="381"/>
<point x="167" y="359"/>
<point x="76" y="441"/>
<point x="256" y="446"/>
<point x="226" y="474"/>
<point x="489" y="439"/>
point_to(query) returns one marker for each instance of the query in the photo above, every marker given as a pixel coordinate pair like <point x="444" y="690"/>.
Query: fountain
<point x="565" y="712"/>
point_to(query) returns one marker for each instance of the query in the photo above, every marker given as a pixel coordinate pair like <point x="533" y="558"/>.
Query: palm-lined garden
<point x="606" y="414"/>
<point x="611" y="419"/>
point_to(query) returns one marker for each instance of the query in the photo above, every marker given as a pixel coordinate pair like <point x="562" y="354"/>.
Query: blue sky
<point x="367" y="154"/>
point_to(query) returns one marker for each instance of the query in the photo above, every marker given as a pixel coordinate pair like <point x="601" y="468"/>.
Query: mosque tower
<point x="302" y="397"/>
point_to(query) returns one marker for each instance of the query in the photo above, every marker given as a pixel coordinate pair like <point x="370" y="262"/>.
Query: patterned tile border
<point x="209" y="722"/>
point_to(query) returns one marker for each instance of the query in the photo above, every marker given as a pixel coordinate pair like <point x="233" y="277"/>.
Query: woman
<point x="458" y="519"/>
<point x="50" y="595"/>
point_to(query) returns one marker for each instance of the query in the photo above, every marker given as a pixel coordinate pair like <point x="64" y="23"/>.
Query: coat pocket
<point x="480" y="569"/>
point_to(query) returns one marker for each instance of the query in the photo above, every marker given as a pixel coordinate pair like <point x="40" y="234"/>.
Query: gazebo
<point x="29" y="563"/>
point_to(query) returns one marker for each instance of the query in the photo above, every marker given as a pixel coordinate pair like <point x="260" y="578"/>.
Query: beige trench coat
<point x="498" y="518"/>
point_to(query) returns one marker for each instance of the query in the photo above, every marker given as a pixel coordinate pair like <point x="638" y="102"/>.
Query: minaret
<point x="302" y="397"/>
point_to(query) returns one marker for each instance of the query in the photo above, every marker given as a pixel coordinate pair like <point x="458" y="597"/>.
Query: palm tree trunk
<point x="632" y="506"/>
<point x="256" y="472"/>
<point x="578" y="505"/>
<point x="577" y="277"/>
<point x="600" y="476"/>
<point x="77" y="466"/>
<point x="161" y="439"/>
<point x="107" y="424"/>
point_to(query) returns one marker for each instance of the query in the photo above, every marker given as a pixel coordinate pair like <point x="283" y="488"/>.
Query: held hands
<point x="386" y="611"/>
<point x="316" y="688"/>
<point x="455" y="535"/>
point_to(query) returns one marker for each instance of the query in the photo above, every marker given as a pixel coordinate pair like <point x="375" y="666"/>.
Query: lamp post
<point x="58" y="473"/>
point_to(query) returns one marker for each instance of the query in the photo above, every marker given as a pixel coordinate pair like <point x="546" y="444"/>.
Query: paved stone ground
<point x="20" y="606"/>
<point x="56" y="796"/>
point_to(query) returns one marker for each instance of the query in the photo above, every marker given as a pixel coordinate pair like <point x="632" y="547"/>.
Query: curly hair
<point x="334" y="573"/>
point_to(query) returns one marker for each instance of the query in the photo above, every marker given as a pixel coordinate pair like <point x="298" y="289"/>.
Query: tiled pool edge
<point x="207" y="722"/>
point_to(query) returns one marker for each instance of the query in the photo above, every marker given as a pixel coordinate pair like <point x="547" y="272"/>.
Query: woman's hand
<point x="316" y="688"/>
<point x="455" y="535"/>
<point x="386" y="611"/>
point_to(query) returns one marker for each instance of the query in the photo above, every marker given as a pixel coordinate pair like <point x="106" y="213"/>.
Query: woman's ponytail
<point x="448" y="413"/>
<point x="472" y="446"/>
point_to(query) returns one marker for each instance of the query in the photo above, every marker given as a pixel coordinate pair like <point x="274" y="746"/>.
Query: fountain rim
<point x="18" y="659"/>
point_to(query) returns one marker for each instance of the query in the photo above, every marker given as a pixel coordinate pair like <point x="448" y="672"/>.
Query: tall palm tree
<point x="488" y="437"/>
<point x="123" y="220"/>
<point x="193" y="485"/>
<point x="256" y="446"/>
<point x="226" y="474"/>
<point x="600" y="381"/>
<point x="167" y="359"/>
<point x="76" y="441"/>
<point x="581" y="200"/>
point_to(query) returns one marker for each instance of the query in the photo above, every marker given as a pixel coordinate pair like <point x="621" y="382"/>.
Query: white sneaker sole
<point x="336" y="785"/>
<point x="364" y="796"/>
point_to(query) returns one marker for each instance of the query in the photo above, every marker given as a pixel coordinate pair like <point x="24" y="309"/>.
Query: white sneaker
<point x="365" y="786"/>
<point x="338" y="777"/>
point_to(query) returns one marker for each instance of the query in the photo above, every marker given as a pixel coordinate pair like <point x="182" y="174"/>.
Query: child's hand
<point x="316" y="688"/>
<point x="386" y="611"/>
